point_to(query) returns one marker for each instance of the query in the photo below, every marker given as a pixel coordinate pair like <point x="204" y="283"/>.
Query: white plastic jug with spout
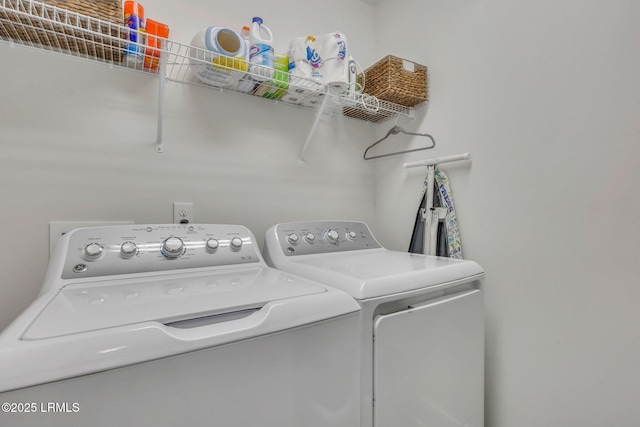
<point x="260" y="50"/>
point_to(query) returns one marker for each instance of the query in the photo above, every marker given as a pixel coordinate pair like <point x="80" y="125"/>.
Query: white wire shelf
<point x="185" y="63"/>
<point x="51" y="28"/>
<point x="47" y="27"/>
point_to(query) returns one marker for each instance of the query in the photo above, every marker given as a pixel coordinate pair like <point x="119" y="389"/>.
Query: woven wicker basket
<point x="105" y="10"/>
<point x="40" y="24"/>
<point x="397" y="80"/>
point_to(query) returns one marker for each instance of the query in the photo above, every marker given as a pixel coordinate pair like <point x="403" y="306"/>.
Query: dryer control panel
<point x="316" y="237"/>
<point x="129" y="249"/>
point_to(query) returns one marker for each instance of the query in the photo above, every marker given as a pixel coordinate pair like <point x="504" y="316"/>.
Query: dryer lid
<point x="166" y="299"/>
<point x="379" y="272"/>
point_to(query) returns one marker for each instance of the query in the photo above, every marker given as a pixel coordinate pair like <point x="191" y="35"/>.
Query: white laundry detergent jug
<point x="218" y="56"/>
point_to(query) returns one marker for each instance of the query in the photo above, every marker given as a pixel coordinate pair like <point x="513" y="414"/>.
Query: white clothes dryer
<point x="178" y="325"/>
<point x="422" y="321"/>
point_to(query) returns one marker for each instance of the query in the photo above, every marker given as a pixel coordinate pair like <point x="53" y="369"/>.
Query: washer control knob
<point x="332" y="236"/>
<point x="309" y="237"/>
<point x="172" y="247"/>
<point x="351" y="235"/>
<point x="128" y="249"/>
<point x="93" y="251"/>
<point x="211" y="245"/>
<point x="292" y="238"/>
<point x="236" y="244"/>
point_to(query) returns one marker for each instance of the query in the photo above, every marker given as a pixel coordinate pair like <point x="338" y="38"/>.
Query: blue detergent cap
<point x="257" y="19"/>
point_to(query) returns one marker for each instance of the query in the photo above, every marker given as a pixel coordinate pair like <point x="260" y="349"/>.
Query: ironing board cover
<point x="449" y="241"/>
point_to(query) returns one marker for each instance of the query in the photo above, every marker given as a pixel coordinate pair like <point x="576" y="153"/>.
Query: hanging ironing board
<point x="433" y="215"/>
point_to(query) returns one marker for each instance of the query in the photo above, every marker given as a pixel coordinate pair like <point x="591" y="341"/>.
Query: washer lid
<point x="378" y="272"/>
<point x="167" y="299"/>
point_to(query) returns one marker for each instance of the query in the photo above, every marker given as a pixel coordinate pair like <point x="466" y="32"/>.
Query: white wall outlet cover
<point x="183" y="213"/>
<point x="58" y="228"/>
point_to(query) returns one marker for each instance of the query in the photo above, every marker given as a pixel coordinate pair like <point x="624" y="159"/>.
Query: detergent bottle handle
<point x="259" y="37"/>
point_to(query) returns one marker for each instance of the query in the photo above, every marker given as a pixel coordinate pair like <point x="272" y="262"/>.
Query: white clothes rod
<point x="438" y="160"/>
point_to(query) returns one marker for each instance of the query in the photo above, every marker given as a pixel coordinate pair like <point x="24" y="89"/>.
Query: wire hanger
<point x="394" y="131"/>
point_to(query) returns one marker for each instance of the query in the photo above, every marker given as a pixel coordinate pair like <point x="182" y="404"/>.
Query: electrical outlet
<point x="182" y="213"/>
<point x="59" y="228"/>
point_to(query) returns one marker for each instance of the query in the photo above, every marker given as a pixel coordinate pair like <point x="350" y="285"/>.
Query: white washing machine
<point x="178" y="325"/>
<point x="422" y="330"/>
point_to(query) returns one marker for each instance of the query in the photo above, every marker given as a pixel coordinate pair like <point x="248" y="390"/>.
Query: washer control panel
<point x="316" y="237"/>
<point x="128" y="249"/>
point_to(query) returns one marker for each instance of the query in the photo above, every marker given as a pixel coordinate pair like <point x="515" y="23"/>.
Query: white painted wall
<point x="545" y="96"/>
<point x="77" y="143"/>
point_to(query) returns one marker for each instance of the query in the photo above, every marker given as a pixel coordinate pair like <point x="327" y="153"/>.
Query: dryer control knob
<point x="93" y="251"/>
<point x="332" y="236"/>
<point x="172" y="247"/>
<point x="292" y="238"/>
<point x="212" y="245"/>
<point x="236" y="244"/>
<point x="309" y="237"/>
<point x="351" y="236"/>
<point x="128" y="249"/>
